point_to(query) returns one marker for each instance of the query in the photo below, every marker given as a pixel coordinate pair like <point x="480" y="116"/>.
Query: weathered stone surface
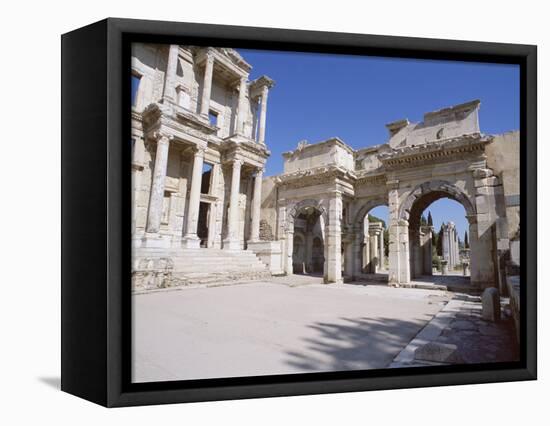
<point x="463" y="325"/>
<point x="195" y="106"/>
<point x="438" y="352"/>
<point x="490" y="304"/>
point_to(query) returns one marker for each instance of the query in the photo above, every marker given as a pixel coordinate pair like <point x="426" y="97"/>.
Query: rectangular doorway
<point x="202" y="226"/>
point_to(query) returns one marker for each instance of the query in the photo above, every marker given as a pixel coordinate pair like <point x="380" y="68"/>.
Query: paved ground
<point x="460" y="324"/>
<point x="275" y="328"/>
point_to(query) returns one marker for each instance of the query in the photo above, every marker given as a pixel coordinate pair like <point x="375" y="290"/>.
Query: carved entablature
<point x="183" y="126"/>
<point x="378" y="178"/>
<point x="235" y="57"/>
<point x="259" y="85"/>
<point x="435" y="152"/>
<point x="156" y="111"/>
<point x="251" y="152"/>
<point x="315" y="176"/>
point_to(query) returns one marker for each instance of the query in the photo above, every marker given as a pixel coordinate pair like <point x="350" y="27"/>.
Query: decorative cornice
<point x="433" y="152"/>
<point x="378" y="177"/>
<point x="261" y="85"/>
<point x="239" y="143"/>
<point x="158" y="115"/>
<point x="304" y="146"/>
<point x="136" y="115"/>
<point x="315" y="176"/>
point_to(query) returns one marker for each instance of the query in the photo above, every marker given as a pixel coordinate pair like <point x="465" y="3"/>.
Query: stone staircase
<point x="186" y="267"/>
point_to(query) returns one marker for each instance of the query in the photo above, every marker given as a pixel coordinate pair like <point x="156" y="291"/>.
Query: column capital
<point x="162" y="136"/>
<point x="237" y="163"/>
<point x="209" y="56"/>
<point x="199" y="150"/>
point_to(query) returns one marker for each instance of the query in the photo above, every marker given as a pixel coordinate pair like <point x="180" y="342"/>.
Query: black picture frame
<point x="96" y="210"/>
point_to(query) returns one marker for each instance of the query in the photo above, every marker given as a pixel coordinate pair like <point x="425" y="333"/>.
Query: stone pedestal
<point x="270" y="253"/>
<point x="490" y="304"/>
<point x="444" y="267"/>
<point x="465" y="268"/>
<point x="155" y="240"/>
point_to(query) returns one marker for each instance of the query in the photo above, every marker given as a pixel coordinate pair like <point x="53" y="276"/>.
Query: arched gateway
<point x="445" y="156"/>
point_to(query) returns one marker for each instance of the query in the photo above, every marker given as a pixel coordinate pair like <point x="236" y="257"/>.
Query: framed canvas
<point x="256" y="212"/>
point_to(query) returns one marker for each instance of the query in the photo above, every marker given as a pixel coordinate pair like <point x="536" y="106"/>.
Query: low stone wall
<point x="153" y="273"/>
<point x="270" y="253"/>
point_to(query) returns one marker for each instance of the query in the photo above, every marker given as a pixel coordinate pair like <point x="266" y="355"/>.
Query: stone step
<point x="206" y="267"/>
<point x="219" y="268"/>
<point x="212" y="260"/>
<point x="210" y="279"/>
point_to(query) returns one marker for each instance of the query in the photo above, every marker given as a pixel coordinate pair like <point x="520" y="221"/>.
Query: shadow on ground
<point x="361" y="343"/>
<point x="54" y="382"/>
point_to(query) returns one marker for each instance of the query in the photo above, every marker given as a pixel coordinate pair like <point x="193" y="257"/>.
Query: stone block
<point x="490" y="304"/>
<point x="438" y="352"/>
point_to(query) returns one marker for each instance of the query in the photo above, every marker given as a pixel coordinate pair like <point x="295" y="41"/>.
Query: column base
<point x="154" y="240"/>
<point x="232" y="245"/>
<point x="333" y="281"/>
<point x="191" y="241"/>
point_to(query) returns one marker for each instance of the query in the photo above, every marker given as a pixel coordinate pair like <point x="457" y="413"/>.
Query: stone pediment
<point x="235" y="57"/>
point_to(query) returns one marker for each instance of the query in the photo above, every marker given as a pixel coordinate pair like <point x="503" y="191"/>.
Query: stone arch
<point x="428" y="192"/>
<point x="367" y="207"/>
<point x="359" y="255"/>
<point x="416" y="259"/>
<point x="316" y="204"/>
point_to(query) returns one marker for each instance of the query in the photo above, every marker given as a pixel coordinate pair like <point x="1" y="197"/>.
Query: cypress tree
<point x="430" y="221"/>
<point x="440" y="242"/>
<point x="466" y="242"/>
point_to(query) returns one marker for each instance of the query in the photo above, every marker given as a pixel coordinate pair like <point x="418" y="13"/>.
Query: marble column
<point x="381" y="250"/>
<point x="263" y="112"/>
<point x="333" y="245"/>
<point x="256" y="206"/>
<point x="191" y="240"/>
<point x="214" y="232"/>
<point x="171" y="69"/>
<point x="241" y="115"/>
<point x="232" y="241"/>
<point x="207" y="85"/>
<point x="373" y="252"/>
<point x="366" y="256"/>
<point x="445" y="244"/>
<point x="289" y="264"/>
<point x="157" y="186"/>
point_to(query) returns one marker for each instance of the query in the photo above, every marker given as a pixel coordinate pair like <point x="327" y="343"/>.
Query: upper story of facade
<point x="442" y="135"/>
<point x="203" y="88"/>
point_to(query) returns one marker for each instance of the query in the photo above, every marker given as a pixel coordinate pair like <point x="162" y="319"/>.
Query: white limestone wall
<point x="443" y="124"/>
<point x="328" y="153"/>
<point x="503" y="158"/>
<point x="149" y="62"/>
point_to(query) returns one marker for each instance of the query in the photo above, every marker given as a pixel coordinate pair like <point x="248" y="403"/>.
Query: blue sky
<point x="318" y="96"/>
